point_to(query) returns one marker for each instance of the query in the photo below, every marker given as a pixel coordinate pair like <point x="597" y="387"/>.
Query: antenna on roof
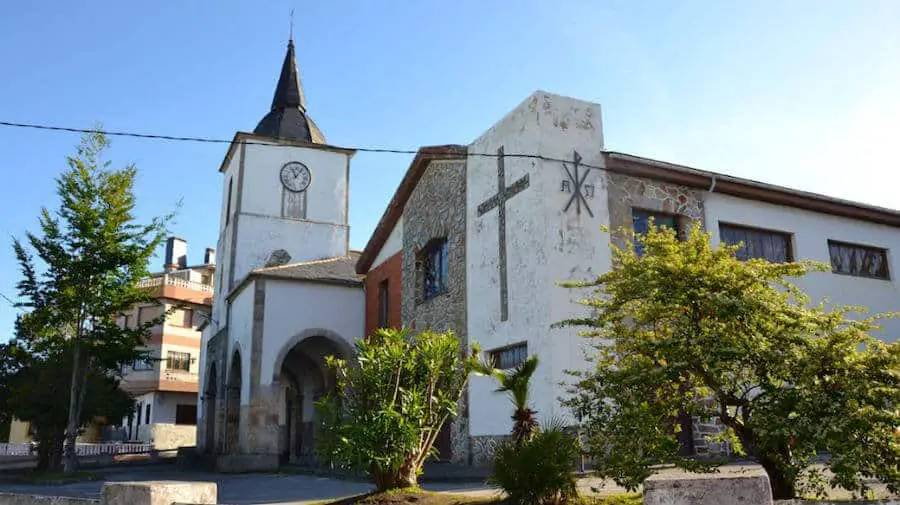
<point x="291" y="36"/>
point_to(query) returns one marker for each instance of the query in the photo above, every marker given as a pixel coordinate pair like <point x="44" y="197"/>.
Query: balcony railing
<point x="179" y="375"/>
<point x="171" y="280"/>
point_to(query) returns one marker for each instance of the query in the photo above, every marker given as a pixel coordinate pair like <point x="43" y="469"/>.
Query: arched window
<point x="433" y="268"/>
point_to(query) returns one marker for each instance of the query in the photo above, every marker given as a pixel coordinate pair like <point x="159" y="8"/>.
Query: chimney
<point x="176" y="254"/>
<point x="210" y="257"/>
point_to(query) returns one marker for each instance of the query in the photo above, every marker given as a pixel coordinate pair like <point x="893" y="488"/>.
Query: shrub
<point x="540" y="469"/>
<point x="393" y="401"/>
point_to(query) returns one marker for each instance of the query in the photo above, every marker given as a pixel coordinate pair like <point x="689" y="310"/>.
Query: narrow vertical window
<point x="383" y="308"/>
<point x="147" y="418"/>
<point x="293" y="204"/>
<point x="228" y="203"/>
<point x="434" y="268"/>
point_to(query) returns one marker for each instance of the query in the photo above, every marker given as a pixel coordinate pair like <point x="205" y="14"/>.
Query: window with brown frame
<point x="182" y="317"/>
<point x="774" y="246"/>
<point x="858" y="260"/>
<point x="178" y="361"/>
<point x="508" y="357"/>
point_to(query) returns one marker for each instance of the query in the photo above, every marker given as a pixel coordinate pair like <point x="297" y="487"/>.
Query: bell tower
<point x="285" y="191"/>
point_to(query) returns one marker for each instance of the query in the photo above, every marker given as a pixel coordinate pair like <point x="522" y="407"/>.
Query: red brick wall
<point x="391" y="271"/>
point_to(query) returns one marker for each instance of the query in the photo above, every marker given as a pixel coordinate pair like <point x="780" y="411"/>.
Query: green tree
<point x="37" y="384"/>
<point x="686" y="327"/>
<point x="91" y="254"/>
<point x="516" y="383"/>
<point x="391" y="402"/>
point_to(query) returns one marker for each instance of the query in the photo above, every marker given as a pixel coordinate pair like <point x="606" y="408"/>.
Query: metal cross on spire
<point x="291" y="34"/>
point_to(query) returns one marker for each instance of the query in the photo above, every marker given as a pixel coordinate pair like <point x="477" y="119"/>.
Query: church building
<point x="476" y="239"/>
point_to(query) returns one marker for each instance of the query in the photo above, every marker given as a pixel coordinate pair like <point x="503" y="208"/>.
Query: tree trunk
<point x="385" y="480"/>
<point x="782" y="487"/>
<point x="71" y="459"/>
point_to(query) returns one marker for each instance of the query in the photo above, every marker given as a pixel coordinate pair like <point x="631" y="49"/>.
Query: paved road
<point x="234" y="489"/>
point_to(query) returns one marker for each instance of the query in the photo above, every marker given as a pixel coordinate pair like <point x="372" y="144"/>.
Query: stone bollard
<point x="748" y="485"/>
<point x="159" y="492"/>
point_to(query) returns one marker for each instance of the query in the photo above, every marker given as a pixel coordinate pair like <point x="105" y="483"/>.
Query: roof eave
<point x="394" y="209"/>
<point x="637" y="166"/>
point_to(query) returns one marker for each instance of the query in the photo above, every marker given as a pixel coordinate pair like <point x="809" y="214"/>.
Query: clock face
<point x="295" y="176"/>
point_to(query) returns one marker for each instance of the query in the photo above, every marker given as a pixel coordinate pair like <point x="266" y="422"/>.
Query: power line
<point x="210" y="140"/>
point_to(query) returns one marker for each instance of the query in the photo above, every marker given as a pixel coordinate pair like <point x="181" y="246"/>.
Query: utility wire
<point x="209" y="140"/>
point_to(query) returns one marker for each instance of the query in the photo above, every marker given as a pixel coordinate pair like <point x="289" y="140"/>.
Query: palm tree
<point x="516" y="383"/>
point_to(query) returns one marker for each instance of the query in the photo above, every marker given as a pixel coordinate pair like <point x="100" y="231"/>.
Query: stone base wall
<point x="31" y="499"/>
<point x="483" y="448"/>
<point x="704" y="428"/>
<point x="172" y="436"/>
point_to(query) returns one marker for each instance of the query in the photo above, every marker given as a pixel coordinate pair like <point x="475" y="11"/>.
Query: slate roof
<point x="338" y="270"/>
<point x="288" y="118"/>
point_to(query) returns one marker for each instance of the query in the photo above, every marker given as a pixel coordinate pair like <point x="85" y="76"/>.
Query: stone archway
<point x="210" y="394"/>
<point x="304" y="378"/>
<point x="233" y="405"/>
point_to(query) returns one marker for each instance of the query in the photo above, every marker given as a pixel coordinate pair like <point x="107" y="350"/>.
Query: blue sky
<point x="799" y="93"/>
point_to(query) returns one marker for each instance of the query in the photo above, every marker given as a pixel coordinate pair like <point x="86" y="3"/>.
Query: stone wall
<point x="483" y="448"/>
<point x="172" y="436"/>
<point x="627" y="193"/>
<point x="31" y="499"/>
<point x="437" y="209"/>
<point x="215" y="352"/>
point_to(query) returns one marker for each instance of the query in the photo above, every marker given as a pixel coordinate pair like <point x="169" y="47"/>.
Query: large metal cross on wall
<point x="504" y="193"/>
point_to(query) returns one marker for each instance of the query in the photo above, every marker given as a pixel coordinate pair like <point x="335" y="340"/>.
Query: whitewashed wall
<point x="293" y="307"/>
<point x="262" y="230"/>
<point x="545" y="245"/>
<point x="165" y="403"/>
<point x="240" y="331"/>
<point x="392" y="245"/>
<point x="810" y="234"/>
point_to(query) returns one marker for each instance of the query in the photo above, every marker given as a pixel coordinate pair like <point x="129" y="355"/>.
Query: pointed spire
<point x="289" y="92"/>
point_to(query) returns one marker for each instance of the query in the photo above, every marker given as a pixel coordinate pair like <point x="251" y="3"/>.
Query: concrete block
<point x="747" y="485"/>
<point x="158" y="493"/>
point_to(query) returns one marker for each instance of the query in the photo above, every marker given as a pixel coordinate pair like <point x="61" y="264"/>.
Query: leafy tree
<point x="516" y="383"/>
<point x="688" y="327"/>
<point x="92" y="252"/>
<point x="38" y="387"/>
<point x="391" y="403"/>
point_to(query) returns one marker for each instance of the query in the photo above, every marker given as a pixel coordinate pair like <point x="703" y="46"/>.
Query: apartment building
<point x="165" y="384"/>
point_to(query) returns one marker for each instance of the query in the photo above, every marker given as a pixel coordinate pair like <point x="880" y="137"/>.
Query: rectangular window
<point x="142" y="364"/>
<point x="148" y="313"/>
<point x="205" y="279"/>
<point x="858" y="260"/>
<point x="509" y="357"/>
<point x="140" y="407"/>
<point x="774" y="246"/>
<point x="147" y="418"/>
<point x="228" y="203"/>
<point x="182" y="317"/>
<point x="178" y="361"/>
<point x="434" y="268"/>
<point x="186" y="414"/>
<point x="293" y="204"/>
<point x="383" y="304"/>
<point x="640" y="220"/>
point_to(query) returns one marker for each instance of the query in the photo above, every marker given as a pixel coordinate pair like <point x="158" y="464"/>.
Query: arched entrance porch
<point x="304" y="377"/>
<point x="210" y="394"/>
<point x="233" y="405"/>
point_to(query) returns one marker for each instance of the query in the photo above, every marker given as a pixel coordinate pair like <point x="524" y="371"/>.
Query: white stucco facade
<point x="545" y="245"/>
<point x="293" y="308"/>
<point x="392" y="245"/>
<point x="810" y="232"/>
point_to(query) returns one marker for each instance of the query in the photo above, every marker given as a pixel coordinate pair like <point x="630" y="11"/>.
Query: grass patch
<point x="416" y="496"/>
